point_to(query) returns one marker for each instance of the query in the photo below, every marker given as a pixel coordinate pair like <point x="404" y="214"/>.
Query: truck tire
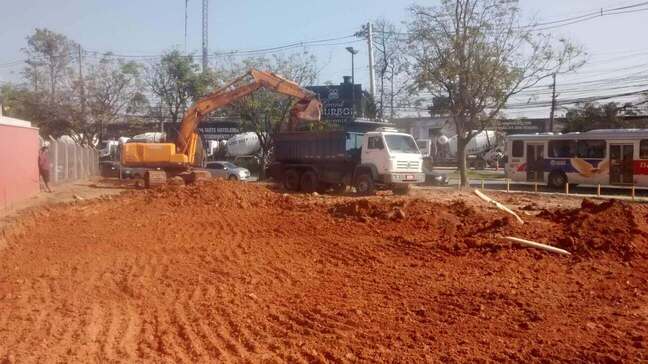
<point x="339" y="188"/>
<point x="323" y="187"/>
<point x="309" y="182"/>
<point x="557" y="179"/>
<point x="365" y="185"/>
<point x="291" y="180"/>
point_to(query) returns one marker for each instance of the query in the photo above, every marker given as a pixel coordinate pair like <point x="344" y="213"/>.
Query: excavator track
<point x="153" y="179"/>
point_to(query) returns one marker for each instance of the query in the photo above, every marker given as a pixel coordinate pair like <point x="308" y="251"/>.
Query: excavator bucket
<point x="307" y="110"/>
<point x="312" y="111"/>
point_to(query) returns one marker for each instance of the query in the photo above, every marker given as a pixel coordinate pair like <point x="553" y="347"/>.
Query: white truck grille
<point x="407" y="165"/>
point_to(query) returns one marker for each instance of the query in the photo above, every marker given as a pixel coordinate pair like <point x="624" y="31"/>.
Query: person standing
<point x="44" y="167"/>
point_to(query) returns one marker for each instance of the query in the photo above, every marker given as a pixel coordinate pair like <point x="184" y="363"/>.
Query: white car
<point x="227" y="170"/>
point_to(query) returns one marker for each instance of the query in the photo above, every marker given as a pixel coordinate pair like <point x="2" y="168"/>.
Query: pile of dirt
<point x="609" y="227"/>
<point x="217" y="193"/>
<point x="232" y="272"/>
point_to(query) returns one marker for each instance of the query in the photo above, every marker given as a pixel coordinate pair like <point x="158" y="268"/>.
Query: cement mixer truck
<point x="481" y="150"/>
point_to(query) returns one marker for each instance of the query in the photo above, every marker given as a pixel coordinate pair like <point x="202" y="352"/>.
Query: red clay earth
<point x="230" y="272"/>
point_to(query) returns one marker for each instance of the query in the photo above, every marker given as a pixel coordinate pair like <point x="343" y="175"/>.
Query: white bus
<point x="616" y="157"/>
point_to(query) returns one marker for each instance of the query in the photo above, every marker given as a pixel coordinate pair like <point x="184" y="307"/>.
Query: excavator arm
<point x="307" y="108"/>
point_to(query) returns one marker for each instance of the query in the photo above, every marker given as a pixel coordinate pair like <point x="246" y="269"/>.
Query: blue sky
<point x="145" y="27"/>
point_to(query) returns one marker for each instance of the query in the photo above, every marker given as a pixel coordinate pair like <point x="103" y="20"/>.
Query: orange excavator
<point x="164" y="160"/>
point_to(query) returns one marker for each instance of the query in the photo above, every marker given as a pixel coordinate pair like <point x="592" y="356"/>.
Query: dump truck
<point x="320" y="161"/>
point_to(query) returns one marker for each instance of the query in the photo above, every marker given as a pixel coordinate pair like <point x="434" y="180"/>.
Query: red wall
<point x="18" y="164"/>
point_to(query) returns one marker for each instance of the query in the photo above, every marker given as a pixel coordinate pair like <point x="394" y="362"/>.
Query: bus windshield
<point x="401" y="143"/>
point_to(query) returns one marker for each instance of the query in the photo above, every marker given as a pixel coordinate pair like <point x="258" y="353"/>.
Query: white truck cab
<point x="392" y="158"/>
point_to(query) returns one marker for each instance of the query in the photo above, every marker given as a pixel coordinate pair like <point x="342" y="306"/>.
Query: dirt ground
<point x="230" y="272"/>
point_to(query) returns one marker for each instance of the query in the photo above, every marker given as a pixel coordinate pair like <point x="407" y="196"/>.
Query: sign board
<point x="522" y="126"/>
<point x="218" y="130"/>
<point x="337" y="102"/>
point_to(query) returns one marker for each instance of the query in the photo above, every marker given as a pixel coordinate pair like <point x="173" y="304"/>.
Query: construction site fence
<point x="72" y="162"/>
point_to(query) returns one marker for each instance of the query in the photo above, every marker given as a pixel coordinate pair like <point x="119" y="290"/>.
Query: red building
<point x="19" y="145"/>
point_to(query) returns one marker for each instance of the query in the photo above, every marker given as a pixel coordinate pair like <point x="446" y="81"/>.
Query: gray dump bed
<point x="308" y="147"/>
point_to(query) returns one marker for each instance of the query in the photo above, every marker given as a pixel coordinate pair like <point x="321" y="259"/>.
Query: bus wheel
<point x="557" y="179"/>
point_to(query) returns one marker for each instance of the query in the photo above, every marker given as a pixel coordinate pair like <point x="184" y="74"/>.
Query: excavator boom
<point x="307" y="108"/>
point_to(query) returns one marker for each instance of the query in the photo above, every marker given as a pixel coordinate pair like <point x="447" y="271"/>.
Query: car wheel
<point x="291" y="180"/>
<point x="365" y="185"/>
<point x="309" y="182"/>
<point x="557" y="179"/>
<point x="232" y="178"/>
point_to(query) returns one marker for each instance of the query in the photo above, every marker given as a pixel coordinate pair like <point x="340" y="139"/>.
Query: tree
<point x="22" y="103"/>
<point x="440" y="106"/>
<point x="391" y="67"/>
<point x="177" y="82"/>
<point x="265" y="112"/>
<point x="54" y="53"/>
<point x="476" y="53"/>
<point x="590" y="116"/>
<point x="113" y="88"/>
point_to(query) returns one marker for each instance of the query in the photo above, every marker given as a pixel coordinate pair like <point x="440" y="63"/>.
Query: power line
<point x="268" y="50"/>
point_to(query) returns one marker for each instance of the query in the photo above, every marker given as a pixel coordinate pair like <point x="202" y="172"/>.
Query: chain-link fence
<point x="71" y="162"/>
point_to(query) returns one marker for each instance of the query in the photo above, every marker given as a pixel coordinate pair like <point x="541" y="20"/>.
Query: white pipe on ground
<point x="498" y="205"/>
<point x="533" y="244"/>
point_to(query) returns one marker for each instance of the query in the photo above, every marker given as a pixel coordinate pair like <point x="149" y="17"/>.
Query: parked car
<point x="227" y="170"/>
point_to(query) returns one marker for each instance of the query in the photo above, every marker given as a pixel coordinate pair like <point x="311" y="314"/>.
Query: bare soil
<point x="231" y="272"/>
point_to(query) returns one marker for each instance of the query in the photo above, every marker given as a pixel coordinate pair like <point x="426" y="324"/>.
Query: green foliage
<point x="591" y="116"/>
<point x="175" y="80"/>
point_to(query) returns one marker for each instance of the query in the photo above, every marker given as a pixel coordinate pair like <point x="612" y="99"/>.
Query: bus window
<point x="591" y="149"/>
<point x="518" y="149"/>
<point x="562" y="148"/>
<point x="643" y="149"/>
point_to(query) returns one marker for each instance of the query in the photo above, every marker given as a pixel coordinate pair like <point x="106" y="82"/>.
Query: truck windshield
<point x="401" y="143"/>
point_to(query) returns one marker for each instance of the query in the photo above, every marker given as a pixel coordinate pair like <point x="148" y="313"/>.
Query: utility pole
<point x="205" y="32"/>
<point x="553" y="105"/>
<point x="372" y="80"/>
<point x="186" y="21"/>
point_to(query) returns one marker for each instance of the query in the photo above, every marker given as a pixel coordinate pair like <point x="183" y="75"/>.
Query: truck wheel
<point x="291" y="180"/>
<point x="557" y="179"/>
<point x="365" y="185"/>
<point x="323" y="187"/>
<point x="309" y="182"/>
<point x="339" y="188"/>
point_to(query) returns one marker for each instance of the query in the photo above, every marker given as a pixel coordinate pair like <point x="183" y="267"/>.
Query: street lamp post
<point x="353" y="52"/>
